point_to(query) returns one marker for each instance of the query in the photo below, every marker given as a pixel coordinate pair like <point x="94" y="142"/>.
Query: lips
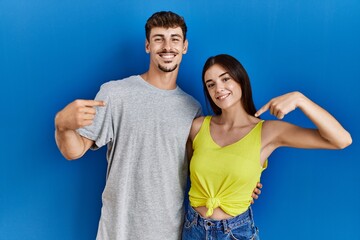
<point x="222" y="97"/>
<point x="167" y="55"/>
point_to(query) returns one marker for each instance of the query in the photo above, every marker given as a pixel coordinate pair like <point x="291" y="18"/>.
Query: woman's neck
<point x="235" y="118"/>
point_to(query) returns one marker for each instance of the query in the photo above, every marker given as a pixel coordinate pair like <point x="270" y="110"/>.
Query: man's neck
<point x="161" y="80"/>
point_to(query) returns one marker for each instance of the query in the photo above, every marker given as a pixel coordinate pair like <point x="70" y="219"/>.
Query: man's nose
<point x="167" y="45"/>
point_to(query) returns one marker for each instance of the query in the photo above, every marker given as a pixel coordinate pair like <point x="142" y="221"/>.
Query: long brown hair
<point x="238" y="73"/>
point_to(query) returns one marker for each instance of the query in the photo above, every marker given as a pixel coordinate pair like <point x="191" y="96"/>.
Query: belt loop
<point x="225" y="226"/>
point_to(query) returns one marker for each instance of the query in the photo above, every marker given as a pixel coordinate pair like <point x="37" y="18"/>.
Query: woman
<point x="230" y="149"/>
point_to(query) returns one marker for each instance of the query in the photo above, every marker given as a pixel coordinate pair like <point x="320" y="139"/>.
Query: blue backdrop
<point x="52" y="52"/>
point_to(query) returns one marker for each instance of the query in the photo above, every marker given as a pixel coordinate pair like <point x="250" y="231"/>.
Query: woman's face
<point x="224" y="91"/>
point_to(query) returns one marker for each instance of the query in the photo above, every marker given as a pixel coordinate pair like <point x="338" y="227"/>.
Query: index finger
<point x="262" y="109"/>
<point x="94" y="103"/>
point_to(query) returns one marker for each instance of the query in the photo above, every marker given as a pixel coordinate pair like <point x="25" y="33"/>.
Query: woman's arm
<point x="329" y="133"/>
<point x="195" y="127"/>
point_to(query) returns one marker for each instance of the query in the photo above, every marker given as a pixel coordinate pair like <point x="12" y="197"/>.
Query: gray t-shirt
<point x="145" y="129"/>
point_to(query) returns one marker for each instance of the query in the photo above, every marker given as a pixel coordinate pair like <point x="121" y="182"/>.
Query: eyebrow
<point x="206" y="81"/>
<point x="172" y="35"/>
<point x="176" y="35"/>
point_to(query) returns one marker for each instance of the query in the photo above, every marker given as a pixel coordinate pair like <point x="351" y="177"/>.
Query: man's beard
<point x="164" y="69"/>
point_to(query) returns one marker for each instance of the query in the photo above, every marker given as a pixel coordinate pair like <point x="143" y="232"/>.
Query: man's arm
<point x="77" y="114"/>
<point x="256" y="192"/>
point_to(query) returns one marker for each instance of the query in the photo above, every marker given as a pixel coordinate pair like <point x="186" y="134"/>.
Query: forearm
<point x="329" y="128"/>
<point x="75" y="115"/>
<point x="70" y="144"/>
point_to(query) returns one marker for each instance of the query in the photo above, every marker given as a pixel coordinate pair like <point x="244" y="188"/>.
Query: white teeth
<point x="167" y="56"/>
<point x="223" y="96"/>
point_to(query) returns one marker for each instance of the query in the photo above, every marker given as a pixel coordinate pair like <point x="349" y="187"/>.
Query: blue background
<point x="52" y="52"/>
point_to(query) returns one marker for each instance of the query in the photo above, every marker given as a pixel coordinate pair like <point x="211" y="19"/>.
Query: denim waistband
<point x="226" y="224"/>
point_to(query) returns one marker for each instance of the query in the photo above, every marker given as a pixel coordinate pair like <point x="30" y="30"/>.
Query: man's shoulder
<point x="113" y="84"/>
<point x="187" y="96"/>
<point x="115" y="89"/>
<point x="189" y="103"/>
<point x="118" y="86"/>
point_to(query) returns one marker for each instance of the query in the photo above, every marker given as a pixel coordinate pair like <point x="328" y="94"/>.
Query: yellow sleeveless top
<point x="226" y="176"/>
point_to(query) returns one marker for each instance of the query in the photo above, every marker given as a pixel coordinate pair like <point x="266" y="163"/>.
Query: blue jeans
<point x="240" y="227"/>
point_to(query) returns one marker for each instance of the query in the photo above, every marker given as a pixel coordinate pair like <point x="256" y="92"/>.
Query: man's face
<point x="166" y="47"/>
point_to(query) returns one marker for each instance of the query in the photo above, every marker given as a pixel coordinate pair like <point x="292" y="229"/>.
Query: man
<point x="144" y="120"/>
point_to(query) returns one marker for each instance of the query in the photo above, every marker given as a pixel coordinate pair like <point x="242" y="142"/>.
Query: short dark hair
<point x="238" y="73"/>
<point x="165" y="19"/>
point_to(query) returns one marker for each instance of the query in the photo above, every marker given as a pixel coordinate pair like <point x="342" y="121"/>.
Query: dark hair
<point x="165" y="19"/>
<point x="238" y="73"/>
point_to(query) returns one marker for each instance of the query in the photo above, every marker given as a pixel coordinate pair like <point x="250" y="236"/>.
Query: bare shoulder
<point x="195" y="127"/>
<point x="276" y="126"/>
<point x="270" y="125"/>
<point x="279" y="125"/>
<point x="272" y="129"/>
<point x="280" y="133"/>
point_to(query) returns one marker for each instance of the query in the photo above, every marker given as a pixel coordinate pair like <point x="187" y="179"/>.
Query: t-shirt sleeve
<point x="199" y="112"/>
<point x="101" y="131"/>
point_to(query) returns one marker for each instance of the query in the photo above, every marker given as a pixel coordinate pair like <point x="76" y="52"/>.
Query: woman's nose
<point x="219" y="88"/>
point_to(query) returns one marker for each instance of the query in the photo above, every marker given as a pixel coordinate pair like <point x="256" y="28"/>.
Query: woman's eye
<point x="210" y="85"/>
<point x="226" y="79"/>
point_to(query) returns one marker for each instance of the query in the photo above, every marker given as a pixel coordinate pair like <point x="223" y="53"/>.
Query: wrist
<point x="302" y="100"/>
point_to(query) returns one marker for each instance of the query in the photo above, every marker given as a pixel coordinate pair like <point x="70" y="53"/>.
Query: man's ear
<point x="147" y="49"/>
<point x="186" y="45"/>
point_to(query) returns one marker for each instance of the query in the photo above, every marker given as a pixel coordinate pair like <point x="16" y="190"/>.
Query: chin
<point x="168" y="69"/>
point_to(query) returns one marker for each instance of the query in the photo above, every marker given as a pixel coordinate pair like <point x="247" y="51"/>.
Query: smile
<point x="167" y="56"/>
<point x="222" y="97"/>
